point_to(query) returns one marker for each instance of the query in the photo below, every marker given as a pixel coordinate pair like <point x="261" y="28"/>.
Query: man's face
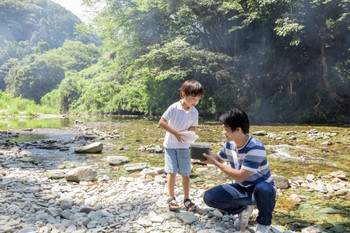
<point x="229" y="133"/>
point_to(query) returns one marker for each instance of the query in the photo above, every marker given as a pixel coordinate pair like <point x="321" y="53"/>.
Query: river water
<point x="293" y="151"/>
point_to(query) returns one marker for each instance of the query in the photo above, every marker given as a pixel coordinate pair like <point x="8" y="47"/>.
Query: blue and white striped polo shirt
<point x="252" y="157"/>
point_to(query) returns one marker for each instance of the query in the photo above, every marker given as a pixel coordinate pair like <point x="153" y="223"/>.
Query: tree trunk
<point x="338" y="100"/>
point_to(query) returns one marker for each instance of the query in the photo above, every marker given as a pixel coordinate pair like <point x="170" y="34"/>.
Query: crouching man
<point x="250" y="170"/>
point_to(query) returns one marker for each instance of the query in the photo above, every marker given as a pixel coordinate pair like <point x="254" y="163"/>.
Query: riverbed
<point x="304" y="154"/>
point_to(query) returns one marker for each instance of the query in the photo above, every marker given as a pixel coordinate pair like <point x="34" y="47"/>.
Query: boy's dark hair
<point x="235" y="118"/>
<point x="192" y="87"/>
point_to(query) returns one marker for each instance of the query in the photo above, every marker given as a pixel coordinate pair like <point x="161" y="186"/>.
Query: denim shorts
<point x="178" y="161"/>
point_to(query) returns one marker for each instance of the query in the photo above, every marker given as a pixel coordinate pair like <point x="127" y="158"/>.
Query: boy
<point x="249" y="168"/>
<point x="180" y="116"/>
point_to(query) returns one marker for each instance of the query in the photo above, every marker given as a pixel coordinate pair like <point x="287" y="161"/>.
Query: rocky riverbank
<point x="38" y="192"/>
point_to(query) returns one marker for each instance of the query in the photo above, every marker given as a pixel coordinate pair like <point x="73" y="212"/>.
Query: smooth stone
<point x="135" y="167"/>
<point x="92" y="148"/>
<point x="117" y="160"/>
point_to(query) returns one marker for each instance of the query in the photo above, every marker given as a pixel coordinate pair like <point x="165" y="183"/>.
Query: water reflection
<point x="33" y="123"/>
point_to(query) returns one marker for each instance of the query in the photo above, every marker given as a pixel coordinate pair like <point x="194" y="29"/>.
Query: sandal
<point x="173" y="206"/>
<point x="190" y="206"/>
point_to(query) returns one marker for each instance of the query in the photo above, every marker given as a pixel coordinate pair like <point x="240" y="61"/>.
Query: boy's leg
<point x="184" y="163"/>
<point x="171" y="167"/>
<point x="265" y="198"/>
<point x="173" y="206"/>
<point x="230" y="198"/>
<point x="190" y="206"/>
<point x="171" y="184"/>
<point x="184" y="160"/>
<point x="186" y="186"/>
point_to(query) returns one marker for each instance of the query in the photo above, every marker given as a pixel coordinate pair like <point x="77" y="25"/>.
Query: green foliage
<point x="279" y="60"/>
<point x="34" y="76"/>
<point x="258" y="55"/>
<point x="286" y="26"/>
<point x="19" y="106"/>
<point x="33" y="27"/>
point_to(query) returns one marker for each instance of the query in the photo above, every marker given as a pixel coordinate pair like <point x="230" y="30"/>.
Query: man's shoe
<point x="243" y="218"/>
<point x="263" y="229"/>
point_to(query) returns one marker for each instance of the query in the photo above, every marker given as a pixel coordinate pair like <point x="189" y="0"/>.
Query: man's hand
<point x="211" y="159"/>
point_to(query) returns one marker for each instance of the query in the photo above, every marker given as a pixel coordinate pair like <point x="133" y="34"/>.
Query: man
<point x="249" y="168"/>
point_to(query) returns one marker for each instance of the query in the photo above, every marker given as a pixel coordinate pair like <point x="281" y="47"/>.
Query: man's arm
<point x="238" y="175"/>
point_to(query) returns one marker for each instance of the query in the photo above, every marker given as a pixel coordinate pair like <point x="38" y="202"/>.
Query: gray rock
<point x="313" y="229"/>
<point x="207" y="231"/>
<point x="135" y="167"/>
<point x="187" y="217"/>
<point x="152" y="171"/>
<point x="338" y="174"/>
<point x="85" y="209"/>
<point x="329" y="210"/>
<point x="95" y="215"/>
<point x="25" y="153"/>
<point x="260" y="133"/>
<point x="157" y="219"/>
<point x="65" y="205"/>
<point x="56" y="174"/>
<point x="92" y="148"/>
<point x="281" y="182"/>
<point x="144" y="222"/>
<point x="117" y="160"/>
<point x="65" y="214"/>
<point x="81" y="174"/>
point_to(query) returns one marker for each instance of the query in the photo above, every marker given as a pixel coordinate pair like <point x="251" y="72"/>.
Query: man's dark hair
<point x="192" y="87"/>
<point x="235" y="118"/>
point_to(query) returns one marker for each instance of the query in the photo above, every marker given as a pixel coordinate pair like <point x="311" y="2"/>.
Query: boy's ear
<point x="183" y="94"/>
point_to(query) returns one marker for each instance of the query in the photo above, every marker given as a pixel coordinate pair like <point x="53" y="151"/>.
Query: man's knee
<point x="208" y="198"/>
<point x="265" y="189"/>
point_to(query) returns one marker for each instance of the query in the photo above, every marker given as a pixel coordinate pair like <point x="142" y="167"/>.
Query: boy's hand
<point x="179" y="136"/>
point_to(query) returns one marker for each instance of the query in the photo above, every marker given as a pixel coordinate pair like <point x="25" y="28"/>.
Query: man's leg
<point x="230" y="198"/>
<point x="265" y="198"/>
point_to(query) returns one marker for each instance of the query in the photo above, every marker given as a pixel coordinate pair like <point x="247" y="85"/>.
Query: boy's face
<point x="190" y="100"/>
<point x="229" y="133"/>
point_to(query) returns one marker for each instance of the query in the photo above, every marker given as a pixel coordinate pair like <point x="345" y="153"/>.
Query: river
<point x="294" y="151"/>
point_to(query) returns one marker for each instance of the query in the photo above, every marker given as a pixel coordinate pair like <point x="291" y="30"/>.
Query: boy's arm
<point x="177" y="133"/>
<point x="192" y="128"/>
<point x="238" y="175"/>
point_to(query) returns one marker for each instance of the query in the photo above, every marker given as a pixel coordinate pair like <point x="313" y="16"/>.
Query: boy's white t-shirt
<point x="177" y="119"/>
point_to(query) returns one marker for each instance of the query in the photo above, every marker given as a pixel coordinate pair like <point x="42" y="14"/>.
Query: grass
<point x="14" y="106"/>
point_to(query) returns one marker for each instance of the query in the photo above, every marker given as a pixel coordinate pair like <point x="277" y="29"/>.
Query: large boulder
<point x="81" y="174"/>
<point x="92" y="148"/>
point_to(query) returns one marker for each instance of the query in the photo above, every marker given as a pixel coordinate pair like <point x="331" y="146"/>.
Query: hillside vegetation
<point x="280" y="60"/>
<point x="32" y="61"/>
